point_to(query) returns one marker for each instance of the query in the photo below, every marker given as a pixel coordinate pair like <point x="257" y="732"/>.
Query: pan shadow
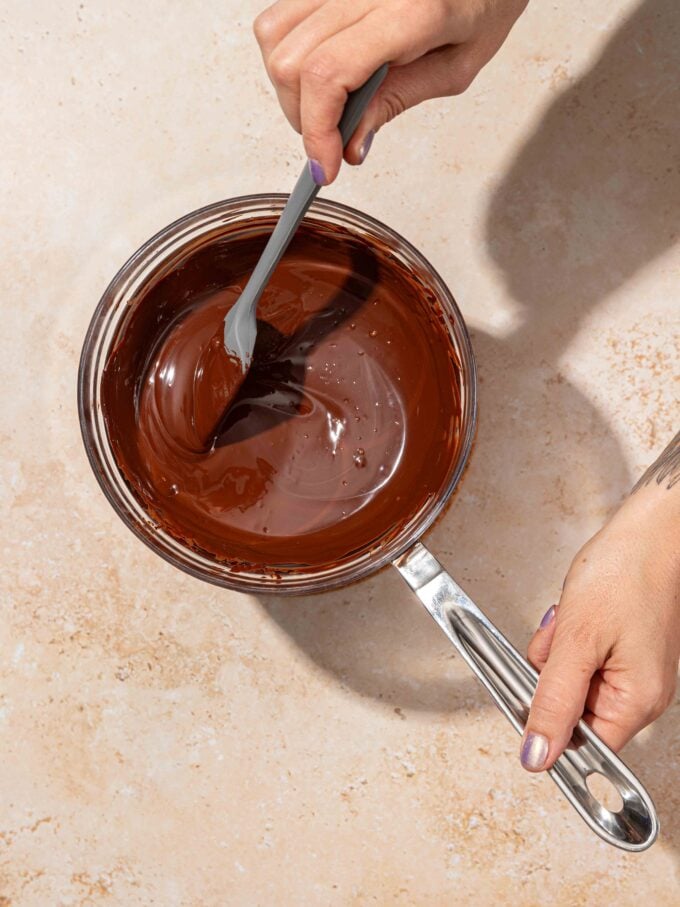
<point x="590" y="199"/>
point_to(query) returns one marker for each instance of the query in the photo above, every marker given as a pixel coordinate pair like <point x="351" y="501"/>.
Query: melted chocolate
<point x="344" y="428"/>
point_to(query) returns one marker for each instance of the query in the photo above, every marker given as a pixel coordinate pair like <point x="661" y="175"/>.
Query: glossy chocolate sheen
<point x="346" y="426"/>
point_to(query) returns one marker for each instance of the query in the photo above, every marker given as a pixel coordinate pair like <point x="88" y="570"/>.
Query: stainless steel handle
<point x="511" y="681"/>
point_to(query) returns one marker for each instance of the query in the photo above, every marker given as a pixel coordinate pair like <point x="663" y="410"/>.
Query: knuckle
<point x="392" y="105"/>
<point x="265" y="27"/>
<point x="546" y="713"/>
<point x="463" y="75"/>
<point x="320" y="68"/>
<point x="536" y="652"/>
<point x="433" y="15"/>
<point x="283" y="69"/>
<point x="554" y="703"/>
<point x="550" y="705"/>
<point x="653" y="709"/>
<point x="314" y="138"/>
<point x="324" y="147"/>
<point x="656" y="697"/>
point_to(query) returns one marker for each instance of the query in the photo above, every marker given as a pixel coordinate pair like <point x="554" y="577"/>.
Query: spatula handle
<point x="357" y="102"/>
<point x="306" y="190"/>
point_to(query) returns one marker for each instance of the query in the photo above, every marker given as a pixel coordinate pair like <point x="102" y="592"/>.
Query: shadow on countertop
<point x="591" y="198"/>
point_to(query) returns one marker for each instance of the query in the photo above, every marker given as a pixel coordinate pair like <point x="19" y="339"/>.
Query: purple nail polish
<point x="547" y="618"/>
<point x="534" y="752"/>
<point x="316" y="171"/>
<point x="366" y="145"/>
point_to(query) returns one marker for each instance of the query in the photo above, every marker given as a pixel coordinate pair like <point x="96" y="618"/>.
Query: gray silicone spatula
<point x="240" y="326"/>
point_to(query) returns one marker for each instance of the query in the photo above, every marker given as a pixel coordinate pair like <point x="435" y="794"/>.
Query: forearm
<point x="653" y="506"/>
<point x="650" y="515"/>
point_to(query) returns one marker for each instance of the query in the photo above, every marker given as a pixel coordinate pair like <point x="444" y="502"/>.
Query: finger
<point x="343" y="63"/>
<point x="620" y="706"/>
<point x="611" y="733"/>
<point x="539" y="647"/>
<point x="447" y="70"/>
<point x="325" y="82"/>
<point x="440" y="73"/>
<point x="560" y="695"/>
<point x="610" y="714"/>
<point x="273" y="24"/>
<point x="285" y="61"/>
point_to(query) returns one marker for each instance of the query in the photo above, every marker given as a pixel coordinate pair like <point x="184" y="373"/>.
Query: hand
<point x="316" y="51"/>
<point x="611" y="646"/>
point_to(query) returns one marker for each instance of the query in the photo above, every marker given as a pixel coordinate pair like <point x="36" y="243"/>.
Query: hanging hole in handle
<point x="604" y="792"/>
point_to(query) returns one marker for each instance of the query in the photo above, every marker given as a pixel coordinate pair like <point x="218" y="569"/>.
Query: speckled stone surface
<point x="167" y="743"/>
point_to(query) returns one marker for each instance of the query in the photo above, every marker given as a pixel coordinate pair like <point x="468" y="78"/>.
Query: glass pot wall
<point x="163" y="253"/>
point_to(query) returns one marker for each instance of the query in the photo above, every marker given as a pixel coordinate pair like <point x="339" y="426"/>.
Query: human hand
<point x="316" y="51"/>
<point x="612" y="644"/>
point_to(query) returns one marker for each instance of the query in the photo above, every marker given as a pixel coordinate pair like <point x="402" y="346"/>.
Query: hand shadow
<point x="590" y="198"/>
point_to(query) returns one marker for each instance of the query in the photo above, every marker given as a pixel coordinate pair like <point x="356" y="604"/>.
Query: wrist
<point x="651" y="514"/>
<point x="656" y="502"/>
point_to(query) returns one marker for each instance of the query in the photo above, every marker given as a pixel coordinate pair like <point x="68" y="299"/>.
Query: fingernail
<point x="534" y="751"/>
<point x="317" y="172"/>
<point x="366" y="145"/>
<point x="547" y="618"/>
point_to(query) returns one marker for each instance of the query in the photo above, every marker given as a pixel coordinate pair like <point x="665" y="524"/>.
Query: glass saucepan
<point x="507" y="676"/>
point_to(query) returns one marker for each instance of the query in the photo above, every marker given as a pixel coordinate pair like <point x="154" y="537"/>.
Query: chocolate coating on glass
<point x="346" y="426"/>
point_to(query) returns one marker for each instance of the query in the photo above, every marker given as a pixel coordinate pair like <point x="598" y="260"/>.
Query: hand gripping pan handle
<point x="511" y="681"/>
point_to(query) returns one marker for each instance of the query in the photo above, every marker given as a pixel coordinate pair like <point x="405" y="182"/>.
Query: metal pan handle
<point x="511" y="681"/>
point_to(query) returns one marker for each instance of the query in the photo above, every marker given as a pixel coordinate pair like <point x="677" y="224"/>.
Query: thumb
<point x="559" y="699"/>
<point x="539" y="646"/>
<point x="446" y="71"/>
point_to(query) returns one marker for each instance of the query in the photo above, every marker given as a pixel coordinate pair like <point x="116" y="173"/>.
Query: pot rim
<point x="146" y="264"/>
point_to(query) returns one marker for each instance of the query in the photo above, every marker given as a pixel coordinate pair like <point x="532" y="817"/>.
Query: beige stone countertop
<point x="168" y="743"/>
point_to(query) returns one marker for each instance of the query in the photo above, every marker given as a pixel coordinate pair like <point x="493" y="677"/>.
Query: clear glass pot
<point x="163" y="253"/>
<point x="508" y="677"/>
